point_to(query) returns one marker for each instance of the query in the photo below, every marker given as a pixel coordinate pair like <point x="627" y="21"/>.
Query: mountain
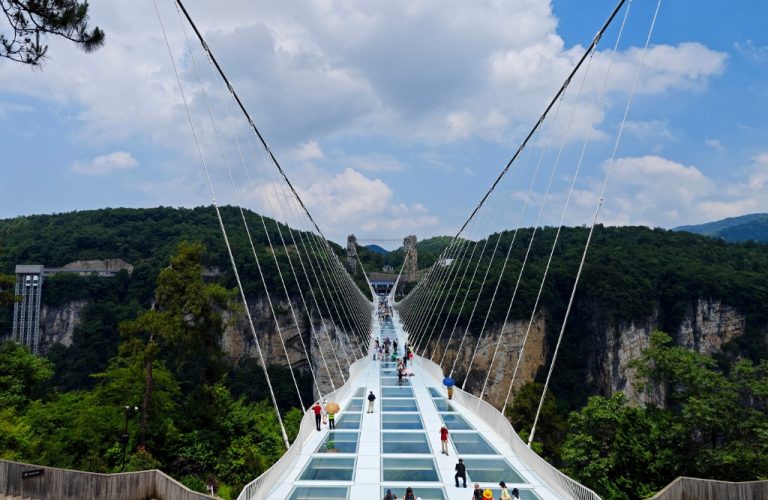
<point x="752" y="227"/>
<point x="377" y="249"/>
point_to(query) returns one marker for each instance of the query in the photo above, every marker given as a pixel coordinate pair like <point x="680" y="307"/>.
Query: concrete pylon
<point x="411" y="259"/>
<point x="352" y="253"/>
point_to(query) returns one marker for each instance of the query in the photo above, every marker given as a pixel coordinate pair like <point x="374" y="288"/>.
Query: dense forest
<point x="631" y="274"/>
<point x="167" y="398"/>
<point x="67" y="409"/>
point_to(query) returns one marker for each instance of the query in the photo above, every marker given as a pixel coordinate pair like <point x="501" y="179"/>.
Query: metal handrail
<point x="260" y="487"/>
<point x="486" y="412"/>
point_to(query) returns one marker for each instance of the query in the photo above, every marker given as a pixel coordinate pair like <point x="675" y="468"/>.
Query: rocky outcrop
<point x="706" y="327"/>
<point x="58" y="323"/>
<point x="314" y="346"/>
<point x="317" y="346"/>
<point x="501" y="366"/>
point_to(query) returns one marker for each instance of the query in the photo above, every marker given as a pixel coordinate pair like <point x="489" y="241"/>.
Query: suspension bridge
<point x="398" y="445"/>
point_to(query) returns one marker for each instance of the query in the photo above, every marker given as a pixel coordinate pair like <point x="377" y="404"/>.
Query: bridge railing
<point x="486" y="412"/>
<point x="260" y="487"/>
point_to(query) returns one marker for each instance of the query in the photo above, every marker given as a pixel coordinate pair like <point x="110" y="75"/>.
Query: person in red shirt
<point x="317" y="409"/>
<point x="444" y="439"/>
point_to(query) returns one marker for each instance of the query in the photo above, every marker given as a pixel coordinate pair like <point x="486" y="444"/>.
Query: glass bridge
<point x="398" y="445"/>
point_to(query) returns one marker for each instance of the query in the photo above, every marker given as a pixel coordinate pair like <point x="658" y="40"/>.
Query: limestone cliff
<point x="325" y="344"/>
<point x="706" y="327"/>
<point x="58" y="323"/>
<point x="503" y="365"/>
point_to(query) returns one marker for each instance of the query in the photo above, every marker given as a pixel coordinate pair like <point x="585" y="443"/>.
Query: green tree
<point x="552" y="425"/>
<point x="23" y="376"/>
<point x="620" y="451"/>
<point x="32" y="21"/>
<point x="723" y="414"/>
<point x="7" y="282"/>
<point x="184" y="324"/>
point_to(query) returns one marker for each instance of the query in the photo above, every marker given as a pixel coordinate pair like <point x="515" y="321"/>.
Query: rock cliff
<point x="706" y="327"/>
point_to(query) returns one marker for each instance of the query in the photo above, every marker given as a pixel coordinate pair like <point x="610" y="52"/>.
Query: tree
<point x="184" y="323"/>
<point x="621" y="451"/>
<point x="32" y="21"/>
<point x="23" y="376"/>
<point x="6" y="289"/>
<point x="551" y="426"/>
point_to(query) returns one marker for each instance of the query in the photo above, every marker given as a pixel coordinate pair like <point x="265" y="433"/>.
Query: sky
<point x="394" y="118"/>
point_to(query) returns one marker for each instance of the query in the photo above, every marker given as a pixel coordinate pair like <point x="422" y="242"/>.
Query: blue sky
<point x="392" y="118"/>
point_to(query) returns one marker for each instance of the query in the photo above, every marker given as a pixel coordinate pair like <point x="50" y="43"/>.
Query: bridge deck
<point x="399" y="444"/>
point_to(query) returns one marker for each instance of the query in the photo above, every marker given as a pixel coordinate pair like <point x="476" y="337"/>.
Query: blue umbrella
<point x="448" y="382"/>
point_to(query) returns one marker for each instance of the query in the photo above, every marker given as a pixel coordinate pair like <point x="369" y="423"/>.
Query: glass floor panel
<point x="392" y="381"/>
<point x="388" y="364"/>
<point x="399" y="405"/>
<point x="359" y="393"/>
<point x="355" y="405"/>
<point x="339" y="442"/>
<point x="404" y="442"/>
<point x="436" y="393"/>
<point x="329" y="469"/>
<point x="397" y="392"/>
<point x="401" y="421"/>
<point x="491" y="470"/>
<point x="442" y="404"/>
<point x="349" y="421"/>
<point x="319" y="493"/>
<point x="455" y="422"/>
<point x="408" y="469"/>
<point x="419" y="492"/>
<point x="389" y="372"/>
<point x="524" y="494"/>
<point x="471" y="443"/>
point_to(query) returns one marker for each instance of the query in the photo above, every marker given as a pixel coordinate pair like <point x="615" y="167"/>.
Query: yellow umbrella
<point x="332" y="407"/>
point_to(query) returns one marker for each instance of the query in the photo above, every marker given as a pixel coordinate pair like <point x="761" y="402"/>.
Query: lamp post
<point x="125" y="435"/>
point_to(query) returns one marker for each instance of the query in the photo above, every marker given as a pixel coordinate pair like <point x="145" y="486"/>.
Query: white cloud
<point x="307" y="151"/>
<point x="345" y="202"/>
<point x="373" y="162"/>
<point x="656" y="191"/>
<point x="105" y="164"/>
<point x="755" y="53"/>
<point x="715" y="144"/>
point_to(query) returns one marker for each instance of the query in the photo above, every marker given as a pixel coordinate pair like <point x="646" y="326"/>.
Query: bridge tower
<point x="352" y="253"/>
<point x="411" y="265"/>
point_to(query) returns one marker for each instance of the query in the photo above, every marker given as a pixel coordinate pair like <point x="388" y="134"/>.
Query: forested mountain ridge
<point x="752" y="227"/>
<point x="707" y="293"/>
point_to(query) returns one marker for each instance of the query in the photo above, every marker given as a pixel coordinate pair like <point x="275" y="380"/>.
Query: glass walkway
<point x="398" y="445"/>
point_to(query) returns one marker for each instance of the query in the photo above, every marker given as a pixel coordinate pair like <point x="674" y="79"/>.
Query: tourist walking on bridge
<point x="371" y="399"/>
<point x="317" y="409"/>
<point x="444" y="439"/>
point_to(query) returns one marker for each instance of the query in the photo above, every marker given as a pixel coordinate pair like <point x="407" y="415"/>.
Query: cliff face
<point x="58" y="323"/>
<point x="325" y="344"/>
<point x="502" y="366"/>
<point x="706" y="327"/>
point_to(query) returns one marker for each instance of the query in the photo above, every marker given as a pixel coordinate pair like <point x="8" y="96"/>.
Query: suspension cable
<point x="223" y="229"/>
<point x="594" y="219"/>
